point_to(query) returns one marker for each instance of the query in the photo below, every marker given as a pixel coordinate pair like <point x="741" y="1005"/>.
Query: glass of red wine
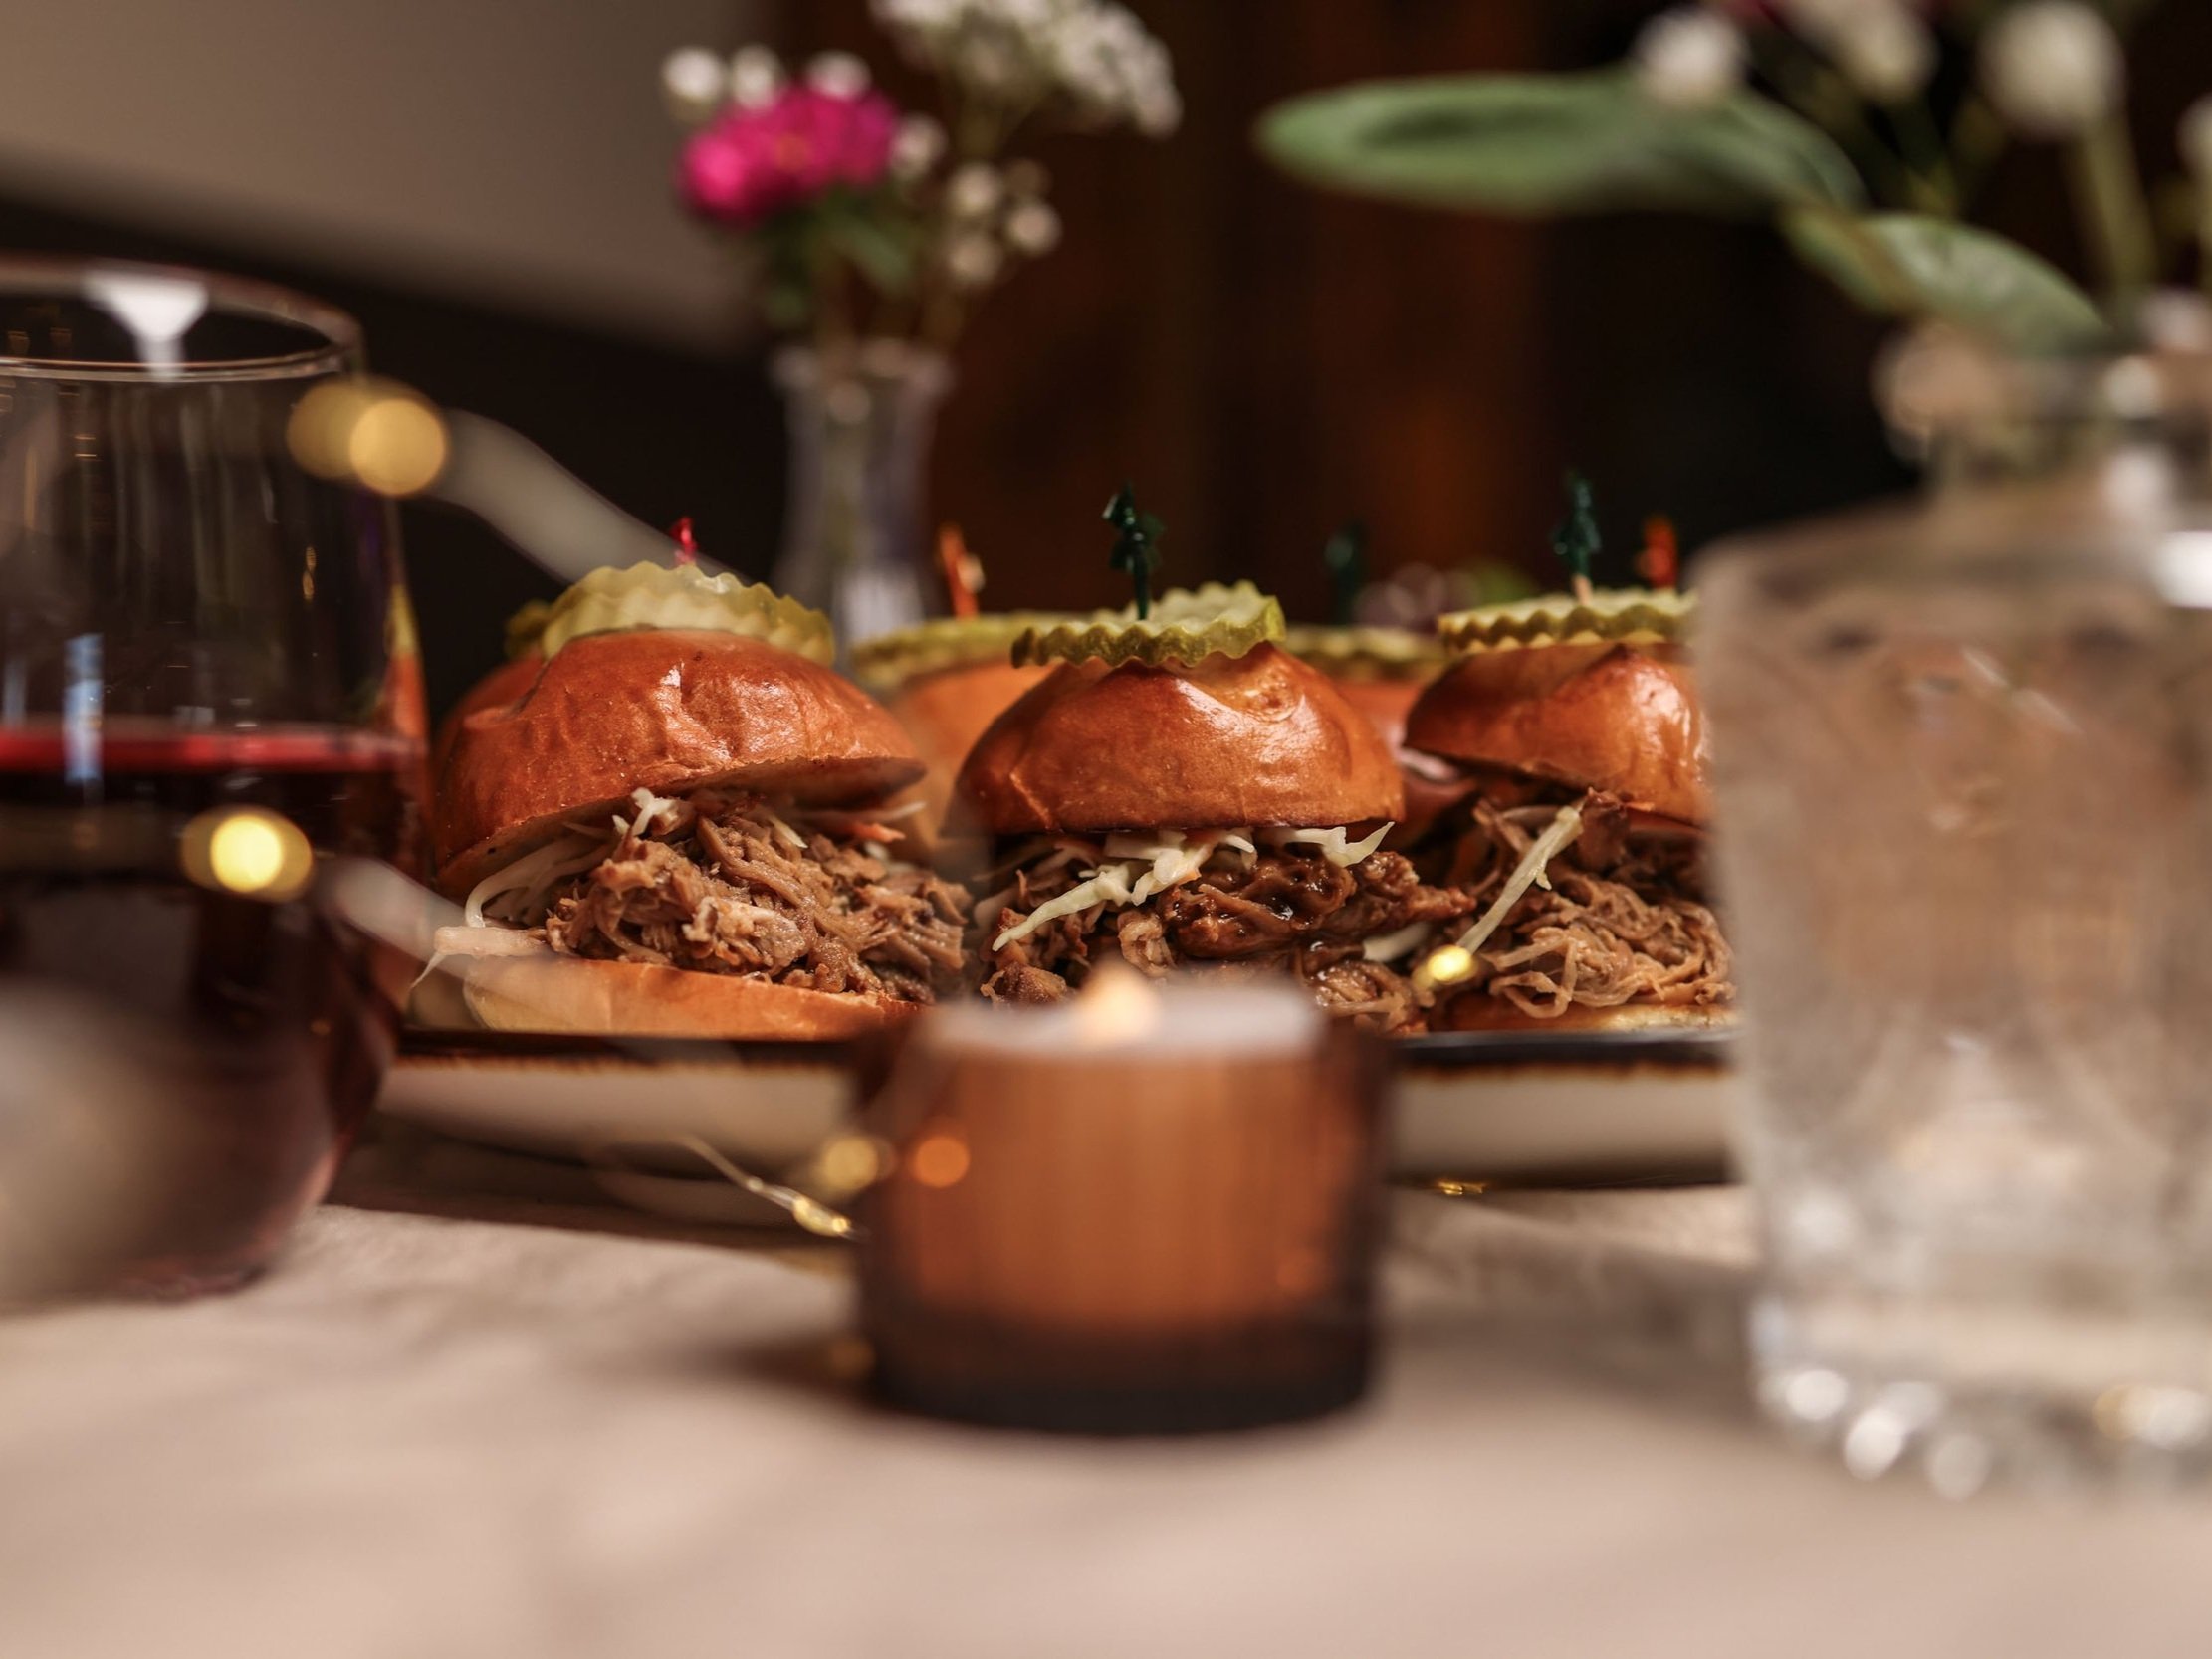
<point x="208" y="694"/>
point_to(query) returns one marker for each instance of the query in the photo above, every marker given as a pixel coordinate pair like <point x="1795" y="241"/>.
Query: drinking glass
<point x="208" y="691"/>
<point x="1962" y="784"/>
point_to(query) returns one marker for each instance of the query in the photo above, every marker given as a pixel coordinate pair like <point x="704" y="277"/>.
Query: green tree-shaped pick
<point x="1575" y="540"/>
<point x="1346" y="557"/>
<point x="1136" y="544"/>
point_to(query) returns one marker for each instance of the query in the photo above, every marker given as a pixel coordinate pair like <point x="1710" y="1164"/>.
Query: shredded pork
<point x="1625" y="919"/>
<point x="721" y="884"/>
<point x="1267" y="910"/>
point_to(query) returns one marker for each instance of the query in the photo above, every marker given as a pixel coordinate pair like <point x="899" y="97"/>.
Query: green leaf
<point x="1540" y="145"/>
<point x="1909" y="265"/>
<point x="872" y="238"/>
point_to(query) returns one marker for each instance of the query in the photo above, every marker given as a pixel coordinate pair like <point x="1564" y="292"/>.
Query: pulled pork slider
<point x="670" y="828"/>
<point x="945" y="681"/>
<point x="1184" y="794"/>
<point x="1381" y="672"/>
<point x="1578" y="725"/>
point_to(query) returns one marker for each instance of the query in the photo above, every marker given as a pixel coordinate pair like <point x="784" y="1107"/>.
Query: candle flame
<point x="1117" y="1006"/>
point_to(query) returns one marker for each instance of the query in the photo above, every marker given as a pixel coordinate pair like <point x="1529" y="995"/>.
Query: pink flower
<point x="752" y="163"/>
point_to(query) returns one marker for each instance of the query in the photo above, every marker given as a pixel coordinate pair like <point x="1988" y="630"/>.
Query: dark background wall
<point x="1262" y="361"/>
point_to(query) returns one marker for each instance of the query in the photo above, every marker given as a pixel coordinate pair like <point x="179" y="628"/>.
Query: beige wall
<point x="511" y="150"/>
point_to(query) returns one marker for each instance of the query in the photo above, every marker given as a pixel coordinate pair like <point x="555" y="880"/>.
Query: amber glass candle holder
<point x="1151" y="1210"/>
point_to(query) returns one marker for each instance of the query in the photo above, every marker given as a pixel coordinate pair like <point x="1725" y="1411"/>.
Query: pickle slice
<point x="611" y="601"/>
<point x="1619" y="615"/>
<point x="888" y="661"/>
<point x="1365" y="652"/>
<point x="526" y="627"/>
<point x="1187" y="625"/>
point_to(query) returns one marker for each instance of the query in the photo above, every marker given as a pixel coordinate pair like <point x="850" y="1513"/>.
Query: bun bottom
<point x="498" y="981"/>
<point x="1479" y="1011"/>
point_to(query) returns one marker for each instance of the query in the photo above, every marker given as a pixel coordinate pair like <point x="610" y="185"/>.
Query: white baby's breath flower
<point x="989" y="64"/>
<point x="1032" y="228"/>
<point x="1092" y="59"/>
<point x="2175" y="319"/>
<point x="755" y="76"/>
<point x="2196" y="139"/>
<point x="1688" y="58"/>
<point x="973" y="260"/>
<point x="839" y="73"/>
<point x="903" y="18"/>
<point x="1884" y="50"/>
<point x="973" y="190"/>
<point x="918" y="146"/>
<point x="2053" y="68"/>
<point x="694" y="82"/>
<point x="1158" y="112"/>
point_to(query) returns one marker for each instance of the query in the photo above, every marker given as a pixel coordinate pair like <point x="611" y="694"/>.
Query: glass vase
<point x="1962" y="784"/>
<point x="855" y="539"/>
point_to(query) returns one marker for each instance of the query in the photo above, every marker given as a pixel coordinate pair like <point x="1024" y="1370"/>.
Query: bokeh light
<point x="250" y="850"/>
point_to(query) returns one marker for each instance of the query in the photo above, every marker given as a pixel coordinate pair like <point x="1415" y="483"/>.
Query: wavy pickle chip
<point x="611" y="601"/>
<point x="1185" y="626"/>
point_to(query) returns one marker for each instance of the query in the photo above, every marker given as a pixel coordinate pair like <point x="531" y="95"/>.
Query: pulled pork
<point x="1266" y="911"/>
<point x="721" y="884"/>
<point x="1625" y="920"/>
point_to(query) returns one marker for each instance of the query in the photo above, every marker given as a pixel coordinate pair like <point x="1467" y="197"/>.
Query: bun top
<point x="666" y="709"/>
<point x="945" y="712"/>
<point x="1259" y="739"/>
<point x="1621" y="719"/>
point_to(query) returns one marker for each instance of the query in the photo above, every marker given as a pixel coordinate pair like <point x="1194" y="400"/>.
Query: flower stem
<point x="2202" y="192"/>
<point x="2109" y="194"/>
<point x="1929" y="156"/>
<point x="1979" y="138"/>
<point x="1827" y="100"/>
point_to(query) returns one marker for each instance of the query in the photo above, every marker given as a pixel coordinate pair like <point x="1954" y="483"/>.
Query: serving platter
<point x="1598" y="1107"/>
<point x="1595" y="1108"/>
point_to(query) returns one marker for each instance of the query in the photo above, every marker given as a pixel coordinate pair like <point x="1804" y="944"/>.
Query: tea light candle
<point x="1148" y="1208"/>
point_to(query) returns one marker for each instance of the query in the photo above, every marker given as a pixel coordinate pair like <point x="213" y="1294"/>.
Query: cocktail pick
<point x="1136" y="544"/>
<point x="1575" y="540"/>
<point x="1660" y="562"/>
<point x="963" y="571"/>
<point x="1346" y="556"/>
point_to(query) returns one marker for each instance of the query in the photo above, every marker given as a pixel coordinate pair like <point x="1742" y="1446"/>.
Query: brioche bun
<point x="502" y="981"/>
<point x="1476" y="1009"/>
<point x="1433" y="788"/>
<point x="1260" y="739"/>
<point x="945" y="712"/>
<point x="504" y="685"/>
<point x="666" y="709"/>
<point x="1621" y="719"/>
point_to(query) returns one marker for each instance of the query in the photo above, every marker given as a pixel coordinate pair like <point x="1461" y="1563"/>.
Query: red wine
<point x="255" y="1015"/>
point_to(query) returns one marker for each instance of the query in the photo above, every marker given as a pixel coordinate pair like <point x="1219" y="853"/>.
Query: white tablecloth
<point x="429" y="1437"/>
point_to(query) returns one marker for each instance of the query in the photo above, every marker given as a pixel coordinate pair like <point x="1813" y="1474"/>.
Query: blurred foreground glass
<point x="1152" y="1210"/>
<point x="1962" y="798"/>
<point x="207" y="685"/>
